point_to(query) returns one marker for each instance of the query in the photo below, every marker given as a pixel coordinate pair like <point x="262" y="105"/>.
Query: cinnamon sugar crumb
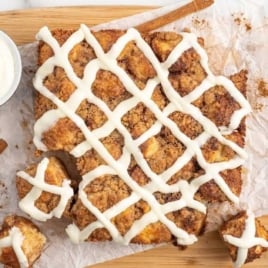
<point x="258" y="107"/>
<point x="24" y="124"/>
<point x="186" y="30"/>
<point x="199" y="23"/>
<point x="3" y="193"/>
<point x="241" y="20"/>
<point x="248" y="27"/>
<point x="263" y="88"/>
<point x="3" y="145"/>
<point x="237" y="21"/>
<point x="37" y="153"/>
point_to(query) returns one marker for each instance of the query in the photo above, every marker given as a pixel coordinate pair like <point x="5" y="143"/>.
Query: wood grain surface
<point x="209" y="252"/>
<point x="22" y="25"/>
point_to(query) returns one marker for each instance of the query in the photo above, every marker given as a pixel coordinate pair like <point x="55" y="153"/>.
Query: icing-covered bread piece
<point x="21" y="242"/>
<point x="134" y="224"/>
<point x="45" y="190"/>
<point x="245" y="237"/>
<point x="155" y="134"/>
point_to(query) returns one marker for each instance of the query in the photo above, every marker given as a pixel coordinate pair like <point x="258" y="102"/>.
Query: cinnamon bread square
<point x="155" y="134"/>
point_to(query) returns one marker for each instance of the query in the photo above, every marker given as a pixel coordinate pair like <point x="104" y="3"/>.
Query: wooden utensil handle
<point x="176" y="14"/>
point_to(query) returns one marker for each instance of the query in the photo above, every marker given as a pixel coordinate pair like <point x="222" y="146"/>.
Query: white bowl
<point x="17" y="67"/>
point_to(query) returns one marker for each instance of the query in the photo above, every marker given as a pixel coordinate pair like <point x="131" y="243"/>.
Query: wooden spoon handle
<point x="174" y="15"/>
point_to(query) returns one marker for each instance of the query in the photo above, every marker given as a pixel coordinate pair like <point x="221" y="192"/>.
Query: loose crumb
<point x="241" y="20"/>
<point x="199" y="23"/>
<point x="258" y="107"/>
<point x="248" y="27"/>
<point x="186" y="30"/>
<point x="263" y="88"/>
<point x="237" y="21"/>
<point x="3" y="145"/>
<point x="37" y="153"/>
<point x="3" y="194"/>
<point x="24" y="124"/>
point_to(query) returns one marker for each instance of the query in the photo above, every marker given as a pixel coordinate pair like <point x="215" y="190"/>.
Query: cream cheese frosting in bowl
<point x="10" y="67"/>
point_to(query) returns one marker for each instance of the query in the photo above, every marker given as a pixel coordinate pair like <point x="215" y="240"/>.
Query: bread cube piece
<point x="21" y="242"/>
<point x="45" y="190"/>
<point x="245" y="237"/>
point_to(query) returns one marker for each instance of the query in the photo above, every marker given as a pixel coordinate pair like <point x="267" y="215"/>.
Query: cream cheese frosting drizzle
<point x="247" y="240"/>
<point x="15" y="240"/>
<point x="27" y="204"/>
<point x="107" y="61"/>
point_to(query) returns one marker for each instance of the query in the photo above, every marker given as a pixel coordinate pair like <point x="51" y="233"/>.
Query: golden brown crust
<point x="160" y="151"/>
<point x="163" y="43"/>
<point x="109" y="88"/>
<point x="210" y="191"/>
<point x="138" y="120"/>
<point x="135" y="63"/>
<point x="33" y="243"/>
<point x="187" y="124"/>
<point x="189" y="220"/>
<point x="214" y="151"/>
<point x="235" y="227"/>
<point x="187" y="73"/>
<point x="217" y="104"/>
<point x="54" y="175"/>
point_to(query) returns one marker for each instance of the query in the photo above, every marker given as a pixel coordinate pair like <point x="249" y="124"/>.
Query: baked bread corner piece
<point x="54" y="175"/>
<point x="32" y="245"/>
<point x="235" y="226"/>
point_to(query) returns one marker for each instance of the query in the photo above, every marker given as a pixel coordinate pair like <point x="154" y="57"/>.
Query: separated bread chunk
<point x="21" y="242"/>
<point x="245" y="237"/>
<point x="45" y="190"/>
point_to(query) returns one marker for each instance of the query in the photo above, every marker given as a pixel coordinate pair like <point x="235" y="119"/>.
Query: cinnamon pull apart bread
<point x="45" y="190"/>
<point x="245" y="238"/>
<point x="21" y="242"/>
<point x="156" y="136"/>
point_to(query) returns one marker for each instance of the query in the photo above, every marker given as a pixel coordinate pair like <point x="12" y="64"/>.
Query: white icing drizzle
<point x="15" y="240"/>
<point x="107" y="61"/>
<point x="247" y="240"/>
<point x="27" y="204"/>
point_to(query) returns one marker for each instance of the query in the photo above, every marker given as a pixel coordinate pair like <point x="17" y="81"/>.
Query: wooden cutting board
<point x="209" y="252"/>
<point x="22" y="25"/>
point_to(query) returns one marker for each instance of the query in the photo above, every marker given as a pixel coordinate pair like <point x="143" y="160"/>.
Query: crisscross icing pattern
<point x="107" y="61"/>
<point x="246" y="241"/>
<point x="15" y="239"/>
<point x="27" y="203"/>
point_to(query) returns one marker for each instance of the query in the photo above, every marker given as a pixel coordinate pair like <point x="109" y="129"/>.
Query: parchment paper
<point x="236" y="37"/>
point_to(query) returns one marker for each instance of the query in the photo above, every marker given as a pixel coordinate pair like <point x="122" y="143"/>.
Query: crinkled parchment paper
<point x="236" y="37"/>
